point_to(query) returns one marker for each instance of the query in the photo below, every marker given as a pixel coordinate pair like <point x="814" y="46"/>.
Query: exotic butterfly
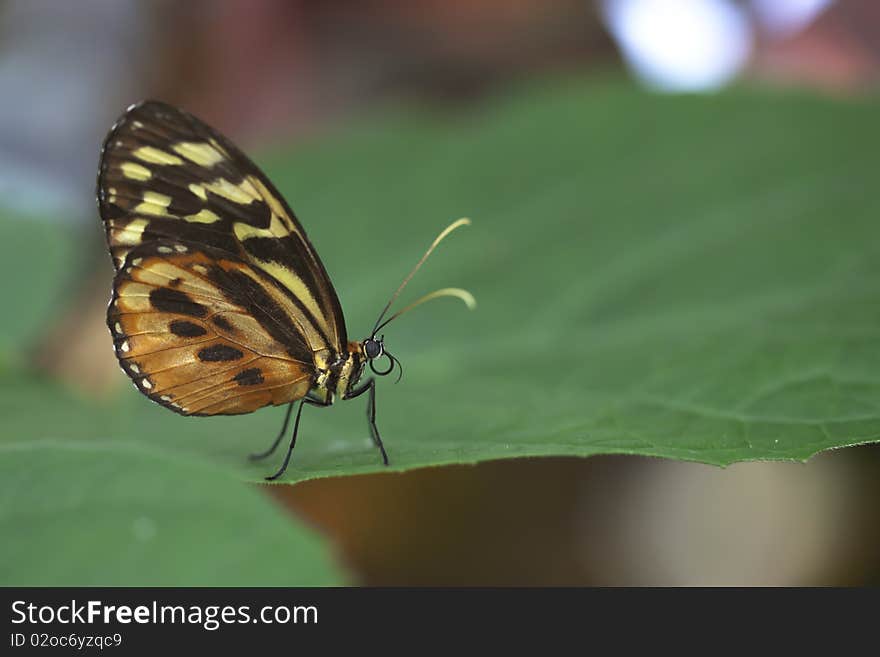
<point x="220" y="303"/>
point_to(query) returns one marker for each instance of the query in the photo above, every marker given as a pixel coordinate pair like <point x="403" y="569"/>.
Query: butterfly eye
<point x="372" y="348"/>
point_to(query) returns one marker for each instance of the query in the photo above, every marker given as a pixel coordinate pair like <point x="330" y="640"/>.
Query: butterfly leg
<point x="371" y="418"/>
<point x="284" y="465"/>
<point x="370" y="386"/>
<point x="261" y="455"/>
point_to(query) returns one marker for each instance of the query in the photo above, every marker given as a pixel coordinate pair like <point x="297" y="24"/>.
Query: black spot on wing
<point x="219" y="352"/>
<point x="222" y="323"/>
<point x="249" y="377"/>
<point x="256" y="213"/>
<point x="183" y="201"/>
<point x="174" y="301"/>
<point x="185" y="329"/>
<point x="283" y="250"/>
<point x="261" y="214"/>
<point x="110" y="212"/>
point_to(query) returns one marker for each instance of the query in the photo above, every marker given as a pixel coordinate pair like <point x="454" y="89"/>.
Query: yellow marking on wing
<point x="219" y="148"/>
<point x="235" y="193"/>
<point x="247" y="187"/>
<point x="135" y="171"/>
<point x="274" y="204"/>
<point x="154" y="204"/>
<point x="202" y="217"/>
<point x="131" y="234"/>
<point x="156" y="156"/>
<point x="275" y="229"/>
<point x="295" y="284"/>
<point x="199" y="191"/>
<point x="134" y="304"/>
<point x="131" y="289"/>
<point x="159" y="199"/>
<point x="201" y="153"/>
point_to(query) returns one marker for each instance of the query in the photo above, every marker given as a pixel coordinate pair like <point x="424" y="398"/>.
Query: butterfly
<point x="220" y="303"/>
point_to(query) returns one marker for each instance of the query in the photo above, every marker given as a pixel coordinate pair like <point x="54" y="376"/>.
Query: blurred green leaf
<point x="685" y="277"/>
<point x="35" y="273"/>
<point x="104" y="513"/>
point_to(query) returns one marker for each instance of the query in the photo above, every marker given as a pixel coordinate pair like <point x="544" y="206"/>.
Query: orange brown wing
<point x="205" y="333"/>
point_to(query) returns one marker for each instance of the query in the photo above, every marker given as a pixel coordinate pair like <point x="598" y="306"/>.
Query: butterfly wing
<point x="165" y="175"/>
<point x="220" y="303"/>
<point x="205" y="333"/>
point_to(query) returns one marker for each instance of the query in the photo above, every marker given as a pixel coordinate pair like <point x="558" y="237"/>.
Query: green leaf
<point x="104" y="513"/>
<point x="22" y="245"/>
<point x="686" y="277"/>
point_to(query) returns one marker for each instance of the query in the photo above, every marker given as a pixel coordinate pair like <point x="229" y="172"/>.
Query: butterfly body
<point x="220" y="303"/>
<point x="340" y="376"/>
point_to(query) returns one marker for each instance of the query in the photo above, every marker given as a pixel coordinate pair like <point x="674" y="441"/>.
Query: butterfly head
<point x="374" y="349"/>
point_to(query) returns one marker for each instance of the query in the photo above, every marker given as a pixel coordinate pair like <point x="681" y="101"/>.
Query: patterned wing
<point x="166" y="175"/>
<point x="205" y="333"/>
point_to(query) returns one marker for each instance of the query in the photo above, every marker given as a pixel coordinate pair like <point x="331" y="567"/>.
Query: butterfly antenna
<point x="464" y="295"/>
<point x="457" y="292"/>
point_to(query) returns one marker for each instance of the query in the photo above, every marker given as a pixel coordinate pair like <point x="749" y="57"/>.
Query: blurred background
<point x="274" y="71"/>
